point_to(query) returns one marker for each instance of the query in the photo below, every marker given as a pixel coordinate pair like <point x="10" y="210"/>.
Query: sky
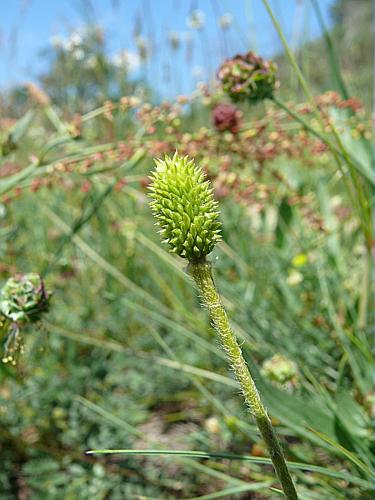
<point x="186" y="39"/>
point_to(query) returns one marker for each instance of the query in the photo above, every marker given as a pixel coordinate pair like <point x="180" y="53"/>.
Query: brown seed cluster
<point x="238" y="156"/>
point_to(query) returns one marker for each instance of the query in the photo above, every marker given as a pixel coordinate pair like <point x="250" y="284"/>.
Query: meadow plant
<point x="186" y="212"/>
<point x="225" y="116"/>
<point x="23" y="299"/>
<point x="295" y="184"/>
<point x="248" y="77"/>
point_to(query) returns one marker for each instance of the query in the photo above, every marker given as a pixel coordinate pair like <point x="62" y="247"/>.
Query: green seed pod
<point x="184" y="207"/>
<point x="23" y="298"/>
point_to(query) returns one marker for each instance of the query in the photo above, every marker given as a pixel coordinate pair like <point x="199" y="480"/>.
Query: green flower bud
<point x="184" y="206"/>
<point x="248" y="77"/>
<point x="23" y="298"/>
<point x="280" y="369"/>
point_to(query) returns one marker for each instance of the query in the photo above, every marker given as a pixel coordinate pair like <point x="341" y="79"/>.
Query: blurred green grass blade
<point x="101" y="262"/>
<point x="359" y="367"/>
<point x="235" y="490"/>
<point x="212" y="471"/>
<point x="54" y="118"/>
<point x="194" y="375"/>
<point x="246" y="458"/>
<point x="14" y="180"/>
<point x="117" y="421"/>
<point x="77" y="225"/>
<point x="146" y="314"/>
<point x="352" y="165"/>
<point x="285" y="215"/>
<point x="234" y="256"/>
<point x="352" y="414"/>
<point x="354" y="428"/>
<point x="348" y="454"/>
<point x="360" y="149"/>
<point x="80" y="153"/>
<point x="340" y="152"/>
<point x="216" y="403"/>
<point x="297" y="413"/>
<point x="290" y="56"/>
<point x="53" y="144"/>
<point x="21" y="126"/>
<point x="93" y="114"/>
<point x="332" y="56"/>
<point x="34" y="169"/>
<point x="117" y="347"/>
<point x="164" y="256"/>
<point x="94" y="207"/>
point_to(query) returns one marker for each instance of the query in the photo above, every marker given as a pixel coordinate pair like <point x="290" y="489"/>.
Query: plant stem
<point x="366" y="284"/>
<point x="202" y="275"/>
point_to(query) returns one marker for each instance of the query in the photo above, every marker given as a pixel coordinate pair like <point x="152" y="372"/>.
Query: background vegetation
<point x="126" y="357"/>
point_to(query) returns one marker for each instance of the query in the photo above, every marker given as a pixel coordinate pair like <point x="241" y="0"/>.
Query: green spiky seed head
<point x="184" y="207"/>
<point x="24" y="298"/>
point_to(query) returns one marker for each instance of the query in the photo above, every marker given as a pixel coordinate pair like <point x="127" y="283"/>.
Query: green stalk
<point x="365" y="291"/>
<point x="184" y="207"/>
<point x="202" y="275"/>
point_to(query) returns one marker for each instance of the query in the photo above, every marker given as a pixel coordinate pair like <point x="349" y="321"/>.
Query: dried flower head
<point x="184" y="206"/>
<point x="23" y="298"/>
<point x="37" y="94"/>
<point x="225" y="117"/>
<point x="248" y="77"/>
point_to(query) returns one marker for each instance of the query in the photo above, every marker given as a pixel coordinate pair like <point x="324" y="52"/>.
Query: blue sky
<point x="28" y="26"/>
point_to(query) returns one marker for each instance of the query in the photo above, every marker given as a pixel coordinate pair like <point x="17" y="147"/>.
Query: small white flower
<point x="75" y="39"/>
<point x="91" y="62"/>
<point x="78" y="54"/>
<point x="212" y="425"/>
<point x="294" y="278"/>
<point x="225" y="21"/>
<point x="196" y="20"/>
<point x="127" y="59"/>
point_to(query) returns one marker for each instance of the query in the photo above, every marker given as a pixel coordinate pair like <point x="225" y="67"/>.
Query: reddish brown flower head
<point x="248" y="77"/>
<point x="226" y="117"/>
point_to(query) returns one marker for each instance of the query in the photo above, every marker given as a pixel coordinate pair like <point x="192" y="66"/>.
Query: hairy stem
<point x="202" y="275"/>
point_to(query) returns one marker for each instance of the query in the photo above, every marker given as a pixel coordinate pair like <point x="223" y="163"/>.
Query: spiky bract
<point x="184" y="206"/>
